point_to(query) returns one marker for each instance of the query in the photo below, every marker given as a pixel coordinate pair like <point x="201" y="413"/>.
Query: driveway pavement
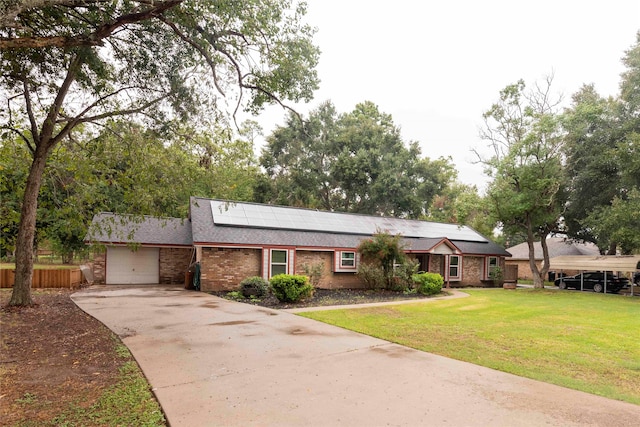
<point x="213" y="362"/>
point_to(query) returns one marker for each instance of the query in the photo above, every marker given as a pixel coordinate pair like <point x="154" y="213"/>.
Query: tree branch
<point x="91" y="39"/>
<point x="199" y="48"/>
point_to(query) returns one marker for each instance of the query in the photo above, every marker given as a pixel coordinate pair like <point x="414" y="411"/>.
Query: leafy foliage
<point x="354" y="162"/>
<point x="603" y="152"/>
<point x="314" y="272"/>
<point x="528" y="191"/>
<point x="619" y="222"/>
<point x="69" y="64"/>
<point x="383" y="249"/>
<point x="254" y="286"/>
<point x="291" y="287"/>
<point x="428" y="283"/>
<point x="372" y="275"/>
<point x="385" y="264"/>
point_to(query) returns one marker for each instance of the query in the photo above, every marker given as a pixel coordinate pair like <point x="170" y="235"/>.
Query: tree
<point x="461" y="204"/>
<point x="527" y="193"/>
<point x="125" y="169"/>
<point x="592" y="135"/>
<point x="602" y="150"/>
<point x="69" y="63"/>
<point x="354" y="162"/>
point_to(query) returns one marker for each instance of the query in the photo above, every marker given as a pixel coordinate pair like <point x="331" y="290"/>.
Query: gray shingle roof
<point x="112" y="228"/>
<point x="558" y="246"/>
<point x="206" y="231"/>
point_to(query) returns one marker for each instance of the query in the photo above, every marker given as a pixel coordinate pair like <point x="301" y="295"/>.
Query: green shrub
<point x="314" y="272"/>
<point x="254" y="286"/>
<point x="291" y="287"/>
<point x="403" y="276"/>
<point x="372" y="275"/>
<point x="428" y="283"/>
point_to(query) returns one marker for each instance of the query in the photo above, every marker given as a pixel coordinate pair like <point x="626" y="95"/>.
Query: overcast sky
<point x="436" y="66"/>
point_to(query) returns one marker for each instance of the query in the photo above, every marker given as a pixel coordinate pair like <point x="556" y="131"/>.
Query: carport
<point x="582" y="263"/>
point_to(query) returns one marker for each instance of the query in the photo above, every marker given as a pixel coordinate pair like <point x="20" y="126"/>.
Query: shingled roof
<point x="113" y="228"/>
<point x="206" y="227"/>
<point x="207" y="231"/>
<point x="558" y="246"/>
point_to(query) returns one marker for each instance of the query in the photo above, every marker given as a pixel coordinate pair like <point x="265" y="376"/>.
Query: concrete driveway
<point x="213" y="362"/>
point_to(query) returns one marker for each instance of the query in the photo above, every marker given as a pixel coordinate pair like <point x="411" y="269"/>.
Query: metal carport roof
<point x="624" y="263"/>
<point x="596" y="263"/>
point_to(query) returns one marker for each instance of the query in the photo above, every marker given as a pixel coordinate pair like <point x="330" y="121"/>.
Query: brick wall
<point x="472" y="269"/>
<point x="222" y="269"/>
<point x="99" y="263"/>
<point x="329" y="280"/>
<point x="174" y="262"/>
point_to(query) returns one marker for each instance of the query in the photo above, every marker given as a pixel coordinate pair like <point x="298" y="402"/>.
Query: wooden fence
<point x="61" y="278"/>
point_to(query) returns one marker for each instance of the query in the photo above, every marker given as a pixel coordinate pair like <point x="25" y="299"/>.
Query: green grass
<point x="128" y="403"/>
<point x="584" y="341"/>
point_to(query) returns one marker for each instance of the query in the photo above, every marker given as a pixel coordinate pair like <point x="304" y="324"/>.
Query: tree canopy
<point x="351" y="162"/>
<point x="67" y="63"/>
<point x="527" y="193"/>
<point x="603" y="162"/>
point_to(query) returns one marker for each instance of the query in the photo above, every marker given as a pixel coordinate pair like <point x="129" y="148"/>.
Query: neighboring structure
<point x="235" y="240"/>
<point x="558" y="246"/>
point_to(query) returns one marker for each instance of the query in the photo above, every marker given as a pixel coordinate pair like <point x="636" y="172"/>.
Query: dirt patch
<point x="325" y="297"/>
<point x="52" y="355"/>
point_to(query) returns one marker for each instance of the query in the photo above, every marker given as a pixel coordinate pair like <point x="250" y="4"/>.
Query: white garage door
<point x="127" y="267"/>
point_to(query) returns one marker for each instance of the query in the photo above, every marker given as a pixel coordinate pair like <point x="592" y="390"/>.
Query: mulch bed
<point x="325" y="297"/>
<point x="52" y="354"/>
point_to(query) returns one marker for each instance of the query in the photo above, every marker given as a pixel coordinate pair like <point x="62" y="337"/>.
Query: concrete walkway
<point x="213" y="362"/>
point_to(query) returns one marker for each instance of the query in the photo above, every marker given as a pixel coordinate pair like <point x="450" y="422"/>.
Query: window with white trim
<point x="492" y="264"/>
<point x="455" y="267"/>
<point x="347" y="259"/>
<point x="278" y="262"/>
<point x="345" y="262"/>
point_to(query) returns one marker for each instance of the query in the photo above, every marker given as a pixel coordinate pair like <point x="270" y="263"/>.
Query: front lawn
<point x="580" y="340"/>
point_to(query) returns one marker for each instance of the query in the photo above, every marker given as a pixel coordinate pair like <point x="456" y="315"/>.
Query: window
<point x="492" y="264"/>
<point x="347" y="259"/>
<point x="454" y="267"/>
<point x="278" y="262"/>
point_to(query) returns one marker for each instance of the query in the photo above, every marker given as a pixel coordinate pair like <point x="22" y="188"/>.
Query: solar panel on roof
<point x="278" y="217"/>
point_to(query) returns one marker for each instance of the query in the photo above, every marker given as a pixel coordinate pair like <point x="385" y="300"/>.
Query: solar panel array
<point x="278" y="217"/>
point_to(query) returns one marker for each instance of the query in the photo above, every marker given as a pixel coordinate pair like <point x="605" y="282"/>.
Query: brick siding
<point x="222" y="269"/>
<point x="174" y="263"/>
<point x="99" y="265"/>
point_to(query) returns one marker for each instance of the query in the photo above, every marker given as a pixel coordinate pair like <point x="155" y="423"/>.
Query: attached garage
<point x="128" y="267"/>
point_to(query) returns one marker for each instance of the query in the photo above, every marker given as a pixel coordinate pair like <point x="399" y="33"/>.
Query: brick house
<point x="558" y="246"/>
<point x="235" y="240"/>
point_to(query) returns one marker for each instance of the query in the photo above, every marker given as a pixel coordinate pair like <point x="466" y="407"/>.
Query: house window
<point x="278" y="262"/>
<point x="492" y="264"/>
<point x="347" y="259"/>
<point x="454" y="267"/>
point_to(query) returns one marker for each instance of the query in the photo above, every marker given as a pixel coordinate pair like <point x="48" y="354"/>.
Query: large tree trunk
<point x="27" y="229"/>
<point x="538" y="279"/>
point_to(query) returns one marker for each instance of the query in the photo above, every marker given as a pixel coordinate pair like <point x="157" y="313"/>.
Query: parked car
<point x="636" y="277"/>
<point x="593" y="280"/>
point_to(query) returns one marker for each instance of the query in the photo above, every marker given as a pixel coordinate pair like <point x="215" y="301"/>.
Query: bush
<point x="254" y="286"/>
<point x="290" y="287"/>
<point x="314" y="272"/>
<point x="372" y="275"/>
<point x="428" y="283"/>
<point x="403" y="276"/>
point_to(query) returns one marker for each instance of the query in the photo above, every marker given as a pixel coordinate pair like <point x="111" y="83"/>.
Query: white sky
<point x="436" y="66"/>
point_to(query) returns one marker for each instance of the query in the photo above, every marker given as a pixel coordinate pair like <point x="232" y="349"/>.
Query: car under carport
<point x="617" y="263"/>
